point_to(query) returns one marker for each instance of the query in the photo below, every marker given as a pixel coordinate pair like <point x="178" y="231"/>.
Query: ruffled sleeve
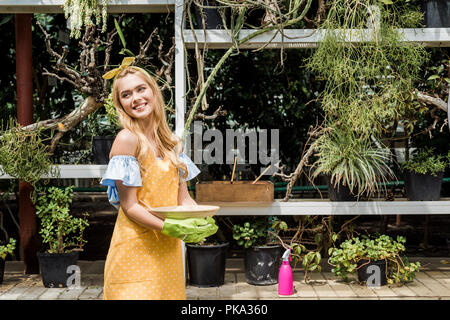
<point x="124" y="168"/>
<point x="192" y="169"/>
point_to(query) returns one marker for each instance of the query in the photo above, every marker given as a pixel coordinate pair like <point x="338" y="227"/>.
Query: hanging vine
<point x="81" y="12"/>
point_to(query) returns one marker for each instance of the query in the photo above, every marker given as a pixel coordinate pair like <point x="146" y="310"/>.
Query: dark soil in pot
<point x="54" y="268"/>
<point x="374" y="271"/>
<point x="206" y="264"/>
<point x="262" y="264"/>
<point x="423" y="187"/>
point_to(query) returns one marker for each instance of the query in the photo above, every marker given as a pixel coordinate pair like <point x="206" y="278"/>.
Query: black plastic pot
<point x="101" y="146"/>
<point x="206" y="264"/>
<point x="423" y="187"/>
<point x="2" y="269"/>
<point x="262" y="264"/>
<point x="437" y="13"/>
<point x="340" y="192"/>
<point x="370" y="270"/>
<point x="54" y="268"/>
<point x="213" y="19"/>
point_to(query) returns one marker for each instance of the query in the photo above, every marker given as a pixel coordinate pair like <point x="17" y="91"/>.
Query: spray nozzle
<point x="286" y="255"/>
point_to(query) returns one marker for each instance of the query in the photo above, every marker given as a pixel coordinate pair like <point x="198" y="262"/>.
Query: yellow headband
<point x="126" y="62"/>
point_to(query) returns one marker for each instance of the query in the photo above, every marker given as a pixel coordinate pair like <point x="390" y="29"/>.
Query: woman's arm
<point x="126" y="144"/>
<point x="134" y="211"/>
<point x="184" y="198"/>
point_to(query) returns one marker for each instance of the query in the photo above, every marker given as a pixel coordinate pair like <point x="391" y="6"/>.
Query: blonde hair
<point x="167" y="144"/>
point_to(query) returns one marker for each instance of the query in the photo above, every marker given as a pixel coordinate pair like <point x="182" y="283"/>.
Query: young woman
<point x="147" y="169"/>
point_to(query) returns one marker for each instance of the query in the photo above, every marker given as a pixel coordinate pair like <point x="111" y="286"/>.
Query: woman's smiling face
<point x="135" y="96"/>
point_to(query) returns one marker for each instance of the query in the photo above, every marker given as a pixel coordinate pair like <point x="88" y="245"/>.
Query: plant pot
<point x="213" y="19"/>
<point x="2" y="270"/>
<point x="371" y="270"/>
<point x="206" y="264"/>
<point x="54" y="268"/>
<point x="101" y="146"/>
<point x="238" y="191"/>
<point x="423" y="187"/>
<point x="437" y="13"/>
<point x="262" y="264"/>
<point x="340" y="192"/>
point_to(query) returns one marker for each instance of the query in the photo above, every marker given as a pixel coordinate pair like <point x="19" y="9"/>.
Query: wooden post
<point x="27" y="210"/>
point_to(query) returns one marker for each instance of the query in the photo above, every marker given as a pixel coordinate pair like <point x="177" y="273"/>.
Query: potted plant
<point x="206" y="262"/>
<point x="262" y="253"/>
<point x="25" y="156"/>
<point x="63" y="234"/>
<point x="4" y="251"/>
<point x="209" y="14"/>
<point x="369" y="253"/>
<point x="104" y="128"/>
<point x="437" y="13"/>
<point x="424" y="173"/>
<point x="354" y="165"/>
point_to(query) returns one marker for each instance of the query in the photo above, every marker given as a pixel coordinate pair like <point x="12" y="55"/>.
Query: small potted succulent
<point x="7" y="249"/>
<point x="424" y="173"/>
<point x="61" y="232"/>
<point x="376" y="259"/>
<point x="262" y="252"/>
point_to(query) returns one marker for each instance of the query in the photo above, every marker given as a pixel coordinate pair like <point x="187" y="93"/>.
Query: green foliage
<point x="111" y="112"/>
<point x="24" y="155"/>
<point x="7" y="249"/>
<point x="60" y="230"/>
<point x="345" y="258"/>
<point x="369" y="85"/>
<point x="251" y="233"/>
<point x="353" y="161"/>
<point x="426" y="161"/>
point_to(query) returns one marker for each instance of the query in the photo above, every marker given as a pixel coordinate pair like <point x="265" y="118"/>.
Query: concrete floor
<point x="433" y="282"/>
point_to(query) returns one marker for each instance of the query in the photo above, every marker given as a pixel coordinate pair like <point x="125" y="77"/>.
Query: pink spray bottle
<point x="285" y="282"/>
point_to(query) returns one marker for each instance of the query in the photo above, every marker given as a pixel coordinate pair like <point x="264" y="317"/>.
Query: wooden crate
<point x="238" y="191"/>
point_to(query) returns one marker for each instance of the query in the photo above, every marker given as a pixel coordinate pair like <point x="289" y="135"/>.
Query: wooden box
<point x="238" y="191"/>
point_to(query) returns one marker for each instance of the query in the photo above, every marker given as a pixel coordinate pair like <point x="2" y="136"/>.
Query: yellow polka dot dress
<point x="143" y="263"/>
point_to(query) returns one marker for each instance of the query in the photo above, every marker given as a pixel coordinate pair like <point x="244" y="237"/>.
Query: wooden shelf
<point x="114" y="6"/>
<point x="309" y="38"/>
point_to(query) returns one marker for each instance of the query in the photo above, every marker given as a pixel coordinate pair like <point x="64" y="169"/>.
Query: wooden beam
<point x="115" y="6"/>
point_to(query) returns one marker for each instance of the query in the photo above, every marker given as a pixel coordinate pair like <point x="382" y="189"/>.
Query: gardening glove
<point x="191" y="229"/>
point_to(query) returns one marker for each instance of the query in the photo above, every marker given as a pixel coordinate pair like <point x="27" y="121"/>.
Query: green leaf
<point x="447" y="79"/>
<point x="435" y="76"/>
<point x="387" y="1"/>
<point x="119" y="31"/>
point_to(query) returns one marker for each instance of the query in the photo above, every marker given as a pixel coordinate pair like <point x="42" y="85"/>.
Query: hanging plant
<point x="369" y="84"/>
<point x="80" y="12"/>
